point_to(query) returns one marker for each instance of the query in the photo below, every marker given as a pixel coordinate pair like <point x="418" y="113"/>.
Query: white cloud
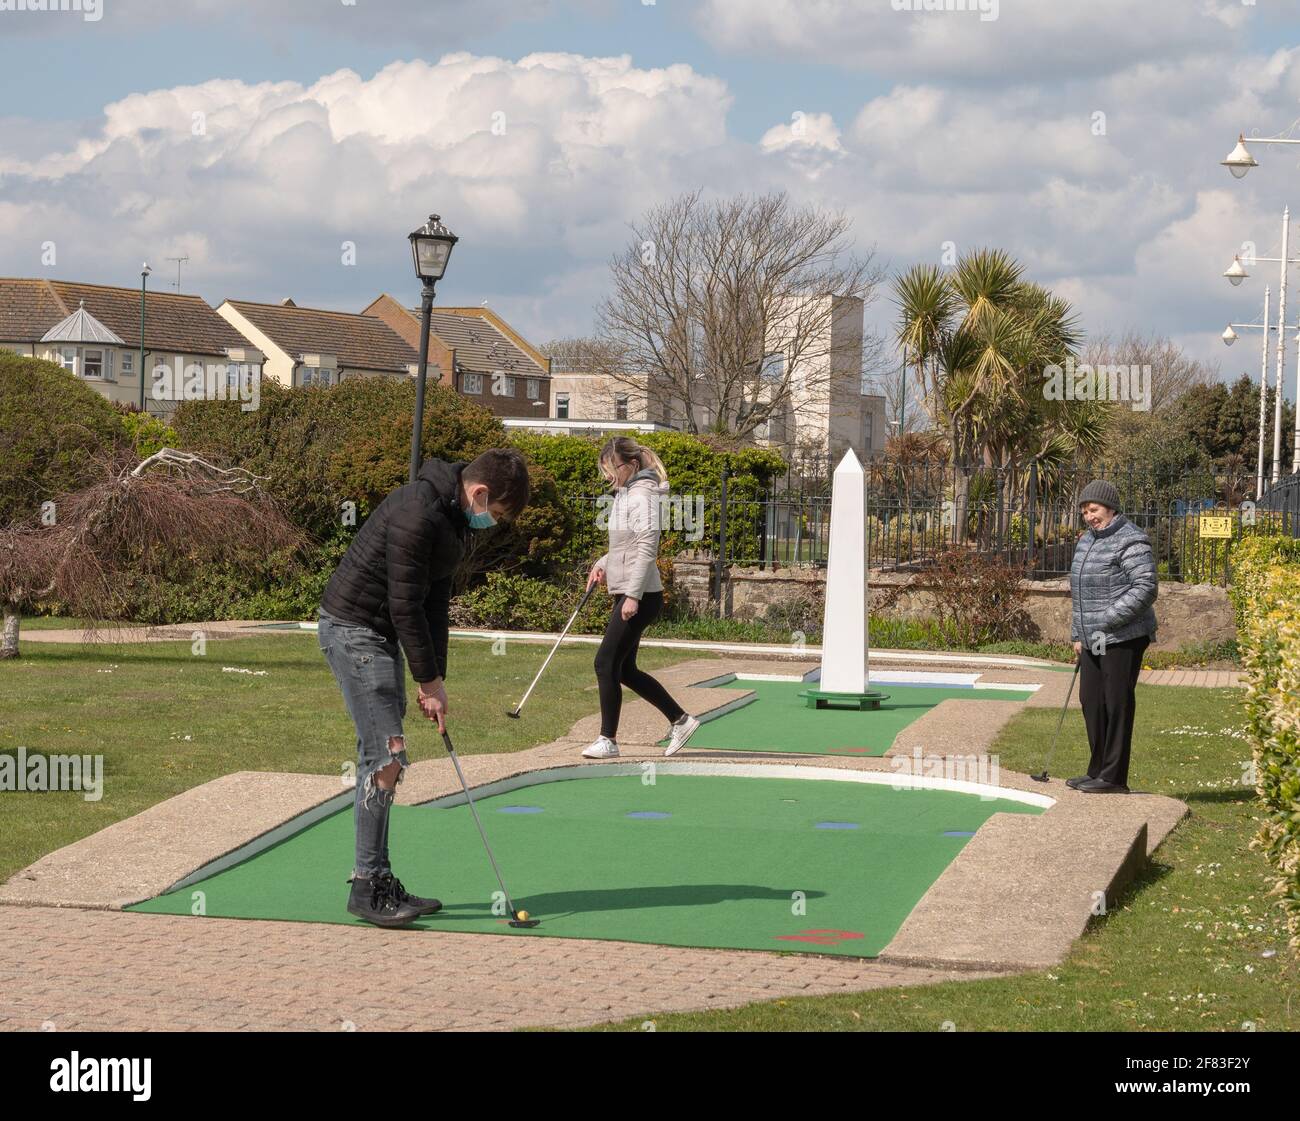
<point x="1061" y="40"/>
<point x="540" y="164"/>
<point x="261" y="182"/>
<point x="419" y="22"/>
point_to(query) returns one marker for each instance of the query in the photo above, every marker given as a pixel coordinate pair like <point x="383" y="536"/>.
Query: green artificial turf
<point x="167" y="718"/>
<point x="779" y="719"/>
<point x="739" y="862"/>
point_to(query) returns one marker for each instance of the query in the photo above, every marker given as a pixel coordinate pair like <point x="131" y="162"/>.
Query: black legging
<point x="616" y="664"/>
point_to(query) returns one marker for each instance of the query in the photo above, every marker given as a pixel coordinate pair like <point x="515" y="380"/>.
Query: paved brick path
<point x="1209" y="678"/>
<point x="120" y="971"/>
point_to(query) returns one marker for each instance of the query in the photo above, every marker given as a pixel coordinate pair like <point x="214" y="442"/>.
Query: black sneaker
<point x="372" y="899"/>
<point x="1097" y="786"/>
<point x="1074" y="782"/>
<point x="423" y="906"/>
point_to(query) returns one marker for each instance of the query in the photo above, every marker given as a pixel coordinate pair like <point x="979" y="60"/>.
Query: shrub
<point x="1251" y="560"/>
<point x="145" y="432"/>
<point x="52" y="429"/>
<point x="322" y="447"/>
<point x="979" y="599"/>
<point x="520" y="603"/>
<point x="1271" y="660"/>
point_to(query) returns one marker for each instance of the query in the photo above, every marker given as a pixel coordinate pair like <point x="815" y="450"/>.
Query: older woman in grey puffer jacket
<point x="1113" y="589"/>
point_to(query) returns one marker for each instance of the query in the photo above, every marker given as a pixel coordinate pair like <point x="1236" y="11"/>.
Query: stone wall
<point x="1187" y="613"/>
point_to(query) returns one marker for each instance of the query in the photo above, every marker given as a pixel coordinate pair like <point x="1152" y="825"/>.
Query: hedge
<point x="1252" y="558"/>
<point x="53" y="428"/>
<point x="1269" y="604"/>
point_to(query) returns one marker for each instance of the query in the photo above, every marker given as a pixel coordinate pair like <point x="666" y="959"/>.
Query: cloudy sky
<point x="257" y="138"/>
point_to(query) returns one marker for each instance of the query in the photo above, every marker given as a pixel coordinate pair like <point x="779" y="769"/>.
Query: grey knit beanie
<point x="1100" y="491"/>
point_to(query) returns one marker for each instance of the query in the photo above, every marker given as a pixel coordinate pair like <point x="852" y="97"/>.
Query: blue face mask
<point x="484" y="520"/>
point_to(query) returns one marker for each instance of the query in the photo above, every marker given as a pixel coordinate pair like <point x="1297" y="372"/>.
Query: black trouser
<point x="616" y="664"/>
<point x="1107" y="685"/>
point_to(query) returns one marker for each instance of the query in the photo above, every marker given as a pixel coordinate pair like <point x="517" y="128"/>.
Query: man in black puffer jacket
<point x="390" y="597"/>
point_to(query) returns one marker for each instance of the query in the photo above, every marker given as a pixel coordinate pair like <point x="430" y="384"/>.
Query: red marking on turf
<point x="821" y="937"/>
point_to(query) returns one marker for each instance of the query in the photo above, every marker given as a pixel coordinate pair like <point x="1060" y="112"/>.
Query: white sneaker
<point x="603" y="748"/>
<point x="681" y="732"/>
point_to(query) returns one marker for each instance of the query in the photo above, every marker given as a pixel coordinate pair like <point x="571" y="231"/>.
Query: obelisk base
<point x="819" y="698"/>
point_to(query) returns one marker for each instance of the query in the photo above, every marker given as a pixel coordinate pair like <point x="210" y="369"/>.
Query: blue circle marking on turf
<point x="837" y="825"/>
<point x="520" y="809"/>
<point x="958" y="833"/>
<point x="648" y="815"/>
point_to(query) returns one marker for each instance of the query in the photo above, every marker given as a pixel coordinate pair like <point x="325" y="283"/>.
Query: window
<point x="773" y="367"/>
<point x="620" y="407"/>
<point x="315" y="375"/>
<point x="68" y="358"/>
<point x="128" y="364"/>
<point x="471" y="383"/>
<point x="532" y="389"/>
<point x="502" y="384"/>
<point x="867" y="430"/>
<point x="94" y="366"/>
<point x="562" y="406"/>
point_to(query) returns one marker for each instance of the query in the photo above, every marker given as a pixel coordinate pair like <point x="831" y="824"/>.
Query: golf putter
<point x="514" y="713"/>
<point x="1060" y="720"/>
<point x="515" y="920"/>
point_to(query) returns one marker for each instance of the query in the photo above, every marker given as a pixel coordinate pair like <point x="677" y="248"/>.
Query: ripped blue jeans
<point x="372" y="675"/>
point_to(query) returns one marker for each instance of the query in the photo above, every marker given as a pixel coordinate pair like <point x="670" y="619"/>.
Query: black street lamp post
<point x="431" y="247"/>
<point x="145" y="270"/>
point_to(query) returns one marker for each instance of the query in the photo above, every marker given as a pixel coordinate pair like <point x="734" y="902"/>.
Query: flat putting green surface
<point x="692" y="860"/>
<point x="779" y="719"/>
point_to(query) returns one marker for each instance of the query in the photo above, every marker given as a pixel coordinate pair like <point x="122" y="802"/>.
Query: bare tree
<point x="138" y="521"/>
<point x="1173" y="372"/>
<point x="600" y="360"/>
<point x="901" y="405"/>
<point x="723" y="308"/>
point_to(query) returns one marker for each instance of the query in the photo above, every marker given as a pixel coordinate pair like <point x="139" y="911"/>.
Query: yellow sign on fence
<point x="1216" y="526"/>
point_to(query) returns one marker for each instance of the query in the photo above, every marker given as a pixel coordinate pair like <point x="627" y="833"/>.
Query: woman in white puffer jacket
<point x="632" y="577"/>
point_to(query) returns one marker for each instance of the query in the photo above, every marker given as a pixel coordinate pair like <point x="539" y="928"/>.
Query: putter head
<point x="513" y="715"/>
<point x="525" y="923"/>
<point x="1039" y="778"/>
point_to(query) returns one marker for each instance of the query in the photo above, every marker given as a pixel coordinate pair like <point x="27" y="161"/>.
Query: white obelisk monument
<point x="844" y="675"/>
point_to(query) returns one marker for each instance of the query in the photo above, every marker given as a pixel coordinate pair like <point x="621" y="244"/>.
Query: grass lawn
<point x="166" y="720"/>
<point x="1183" y="950"/>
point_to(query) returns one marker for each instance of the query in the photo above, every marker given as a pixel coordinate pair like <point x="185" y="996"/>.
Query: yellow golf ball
<point x="523" y="916"/>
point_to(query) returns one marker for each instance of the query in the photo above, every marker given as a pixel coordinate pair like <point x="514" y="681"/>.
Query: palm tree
<point x="980" y="340"/>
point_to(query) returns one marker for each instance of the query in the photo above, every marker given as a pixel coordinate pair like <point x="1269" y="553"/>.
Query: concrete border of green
<point x="1016" y="897"/>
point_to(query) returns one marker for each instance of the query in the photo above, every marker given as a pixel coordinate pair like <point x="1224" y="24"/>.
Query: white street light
<point x="1240" y="160"/>
<point x="1235" y="272"/>
<point x="1229" y="336"/>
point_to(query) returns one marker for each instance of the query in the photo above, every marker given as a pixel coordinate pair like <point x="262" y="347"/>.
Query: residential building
<point x="94" y="332"/>
<point x="476" y="352"/>
<point x="312" y="346"/>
